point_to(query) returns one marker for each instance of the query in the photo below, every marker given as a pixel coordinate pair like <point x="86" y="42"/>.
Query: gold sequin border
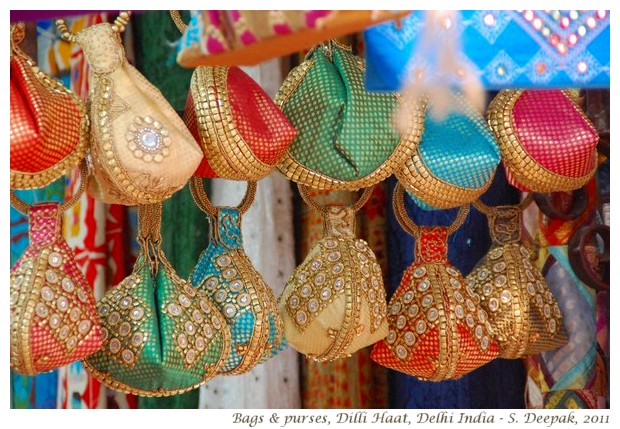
<point x="228" y="154"/>
<point x="297" y="172"/>
<point x="526" y="169"/>
<point x="418" y="179"/>
<point x="26" y="180"/>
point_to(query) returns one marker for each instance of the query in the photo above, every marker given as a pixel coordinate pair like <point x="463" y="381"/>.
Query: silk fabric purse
<point x="49" y="125"/>
<point x="334" y="303"/>
<point x="53" y="317"/>
<point x="227" y="275"/>
<point x="142" y="152"/>
<point x="437" y="327"/>
<point x="455" y="161"/>
<point x="161" y="336"/>
<point x="524" y="312"/>
<point x="346" y="138"/>
<point x="547" y="142"/>
<point x="241" y="131"/>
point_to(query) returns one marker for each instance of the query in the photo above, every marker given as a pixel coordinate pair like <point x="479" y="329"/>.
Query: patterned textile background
<point x="507" y="49"/>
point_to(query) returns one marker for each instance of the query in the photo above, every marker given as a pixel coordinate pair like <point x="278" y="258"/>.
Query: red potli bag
<point x="49" y="126"/>
<point x="437" y="328"/>
<point x="54" y="321"/>
<point x="241" y="131"/>
<point x="547" y="142"/>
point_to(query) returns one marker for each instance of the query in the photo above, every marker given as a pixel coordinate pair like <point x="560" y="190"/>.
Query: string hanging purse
<point x="455" y="161"/>
<point x="142" y="152"/>
<point x="524" y="312"/>
<point x="227" y="275"/>
<point x="49" y="125"/>
<point x="346" y="136"/>
<point x="438" y="329"/>
<point x="547" y="142"/>
<point x="53" y="317"/>
<point x="161" y="336"/>
<point x="241" y="131"/>
<point x="334" y="302"/>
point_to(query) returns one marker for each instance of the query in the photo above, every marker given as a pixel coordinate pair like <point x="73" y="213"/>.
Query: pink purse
<point x="547" y="142"/>
<point x="53" y="317"/>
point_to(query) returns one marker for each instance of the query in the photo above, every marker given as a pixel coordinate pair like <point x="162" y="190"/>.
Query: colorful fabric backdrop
<point x="507" y="49"/>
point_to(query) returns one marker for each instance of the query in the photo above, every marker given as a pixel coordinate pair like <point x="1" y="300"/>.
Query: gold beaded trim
<point x="20" y="332"/>
<point x="418" y="179"/>
<point x="253" y="352"/>
<point x="526" y="169"/>
<point x="25" y="180"/>
<point x="108" y="167"/>
<point x="229" y="155"/>
<point x="108" y="380"/>
<point x="118" y="26"/>
<point x="299" y="173"/>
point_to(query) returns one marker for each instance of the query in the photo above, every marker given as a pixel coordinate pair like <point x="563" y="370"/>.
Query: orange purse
<point x="437" y="328"/>
<point x="49" y="125"/>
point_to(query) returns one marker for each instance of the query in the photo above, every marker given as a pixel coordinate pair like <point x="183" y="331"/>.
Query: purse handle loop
<point x="23" y="207"/>
<point x="202" y="200"/>
<point x="118" y="26"/>
<point x="493" y="211"/>
<point x="176" y="17"/>
<point x="323" y="209"/>
<point x="398" y="204"/>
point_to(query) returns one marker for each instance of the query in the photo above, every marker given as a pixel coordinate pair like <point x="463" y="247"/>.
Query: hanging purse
<point x="438" y="329"/>
<point x="456" y="160"/>
<point x="248" y="37"/>
<point x="241" y="131"/>
<point x="49" y="125"/>
<point x="547" y="142"/>
<point x="334" y="302"/>
<point x="346" y="138"/>
<point x="53" y="316"/>
<point x="141" y="150"/>
<point x="161" y="336"/>
<point x="227" y="275"/>
<point x="521" y="308"/>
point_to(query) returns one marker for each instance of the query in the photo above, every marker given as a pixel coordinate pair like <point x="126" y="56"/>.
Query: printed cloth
<point x="509" y="49"/>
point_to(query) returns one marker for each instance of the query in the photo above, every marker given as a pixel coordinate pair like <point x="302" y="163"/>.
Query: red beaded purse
<point x="241" y="131"/>
<point x="53" y="316"/>
<point x="438" y="330"/>
<point x="49" y="126"/>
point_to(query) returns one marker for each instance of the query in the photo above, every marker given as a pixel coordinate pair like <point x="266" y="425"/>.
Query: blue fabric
<point x="226" y="241"/>
<point x="508" y="50"/>
<point x="459" y="149"/>
<point x="499" y="384"/>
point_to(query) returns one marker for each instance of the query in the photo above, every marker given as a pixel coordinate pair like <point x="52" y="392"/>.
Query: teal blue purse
<point x="226" y="273"/>
<point x="455" y="161"/>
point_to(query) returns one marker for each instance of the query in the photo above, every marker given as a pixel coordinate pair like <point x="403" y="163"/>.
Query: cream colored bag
<point x="334" y="303"/>
<point x="141" y="150"/>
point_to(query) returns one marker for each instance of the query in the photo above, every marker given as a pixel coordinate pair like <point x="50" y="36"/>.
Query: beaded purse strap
<point x="398" y="204"/>
<point x="178" y="21"/>
<point x="504" y="221"/>
<point x="324" y="208"/>
<point x="202" y="200"/>
<point x="118" y="26"/>
<point x="23" y="207"/>
<point x="496" y="210"/>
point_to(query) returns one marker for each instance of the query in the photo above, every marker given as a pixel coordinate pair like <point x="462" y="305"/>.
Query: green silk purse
<point x="227" y="275"/>
<point x="346" y="136"/>
<point x="161" y="336"/>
